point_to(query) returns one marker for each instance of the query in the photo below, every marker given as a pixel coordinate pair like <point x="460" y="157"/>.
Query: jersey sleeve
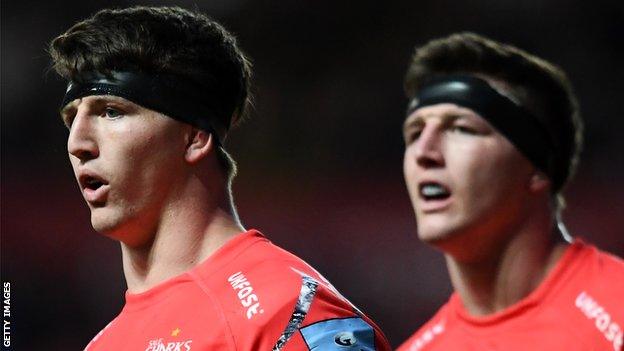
<point x="299" y="310"/>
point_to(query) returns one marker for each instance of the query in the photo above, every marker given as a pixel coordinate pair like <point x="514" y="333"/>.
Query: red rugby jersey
<point x="579" y="306"/>
<point x="248" y="295"/>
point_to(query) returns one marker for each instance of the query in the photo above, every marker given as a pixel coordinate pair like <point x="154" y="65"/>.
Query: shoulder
<point x="607" y="263"/>
<point x="272" y="299"/>
<point x="599" y="273"/>
<point x="591" y="300"/>
<point x="425" y="337"/>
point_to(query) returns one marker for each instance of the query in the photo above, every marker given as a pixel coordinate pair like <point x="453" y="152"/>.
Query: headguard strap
<point x="175" y="97"/>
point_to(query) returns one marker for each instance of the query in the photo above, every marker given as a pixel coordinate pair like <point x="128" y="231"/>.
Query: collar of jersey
<point x="540" y="297"/>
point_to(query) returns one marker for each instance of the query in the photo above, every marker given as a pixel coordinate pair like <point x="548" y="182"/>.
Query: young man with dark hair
<point x="492" y="137"/>
<point x="152" y="93"/>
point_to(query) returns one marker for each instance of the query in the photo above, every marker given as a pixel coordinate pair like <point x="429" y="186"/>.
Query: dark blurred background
<point x="320" y="158"/>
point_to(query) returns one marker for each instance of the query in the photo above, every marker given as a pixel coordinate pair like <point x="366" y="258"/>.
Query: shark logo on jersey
<point x="161" y="345"/>
<point x="343" y="334"/>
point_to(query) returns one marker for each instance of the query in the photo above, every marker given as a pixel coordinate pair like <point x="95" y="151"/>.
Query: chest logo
<point x="245" y="293"/>
<point x="603" y="321"/>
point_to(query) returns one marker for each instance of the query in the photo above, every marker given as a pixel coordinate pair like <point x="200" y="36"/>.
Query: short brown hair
<point x="539" y="86"/>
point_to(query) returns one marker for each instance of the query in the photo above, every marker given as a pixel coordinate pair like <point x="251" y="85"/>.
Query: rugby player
<point x="492" y="136"/>
<point x="152" y="93"/>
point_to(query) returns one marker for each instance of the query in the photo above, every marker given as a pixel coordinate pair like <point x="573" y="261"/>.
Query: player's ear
<point x="539" y="182"/>
<point x="199" y="144"/>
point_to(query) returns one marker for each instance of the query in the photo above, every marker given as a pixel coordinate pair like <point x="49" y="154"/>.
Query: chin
<point x="434" y="238"/>
<point x="120" y="227"/>
<point x="432" y="228"/>
<point x="441" y="233"/>
<point x="464" y="243"/>
<point x="105" y="223"/>
<point x="114" y="231"/>
<point x="106" y="229"/>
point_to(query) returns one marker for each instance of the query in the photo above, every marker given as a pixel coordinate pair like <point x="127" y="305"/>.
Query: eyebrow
<point x="97" y="100"/>
<point x="447" y="116"/>
<point x="411" y="122"/>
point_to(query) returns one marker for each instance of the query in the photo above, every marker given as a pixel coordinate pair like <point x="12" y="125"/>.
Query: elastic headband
<point x="175" y="97"/>
<point x="516" y="123"/>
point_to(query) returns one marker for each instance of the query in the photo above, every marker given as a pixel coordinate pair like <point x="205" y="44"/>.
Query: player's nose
<point x="428" y="148"/>
<point x="82" y="141"/>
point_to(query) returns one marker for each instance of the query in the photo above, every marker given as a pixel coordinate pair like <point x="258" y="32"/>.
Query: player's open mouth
<point x="91" y="182"/>
<point x="94" y="188"/>
<point x="433" y="191"/>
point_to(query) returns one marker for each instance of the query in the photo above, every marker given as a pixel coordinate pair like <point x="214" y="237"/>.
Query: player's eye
<point x="112" y="113"/>
<point x="464" y="130"/>
<point x="412" y="135"/>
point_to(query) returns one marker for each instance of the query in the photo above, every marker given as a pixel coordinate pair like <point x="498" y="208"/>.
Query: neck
<point x="190" y="229"/>
<point x="497" y="281"/>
